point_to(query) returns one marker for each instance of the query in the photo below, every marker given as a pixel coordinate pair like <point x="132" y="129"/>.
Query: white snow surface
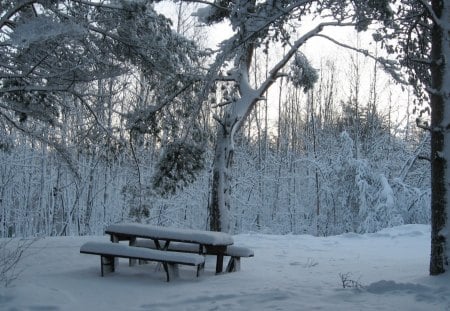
<point x="288" y="272"/>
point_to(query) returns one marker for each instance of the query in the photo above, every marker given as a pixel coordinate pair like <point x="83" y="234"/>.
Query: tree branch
<point x="34" y="88"/>
<point x="422" y="125"/>
<point x="19" y="6"/>
<point x="99" y="4"/>
<point x="388" y="65"/>
<point x="61" y="150"/>
<point x="208" y="3"/>
<point x="273" y="74"/>
<point x="430" y="11"/>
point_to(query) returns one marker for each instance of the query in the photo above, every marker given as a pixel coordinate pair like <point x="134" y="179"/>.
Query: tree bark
<point x="221" y="183"/>
<point x="440" y="139"/>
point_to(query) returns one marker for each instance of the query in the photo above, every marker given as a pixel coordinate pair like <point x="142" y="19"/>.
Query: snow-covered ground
<point x="290" y="272"/>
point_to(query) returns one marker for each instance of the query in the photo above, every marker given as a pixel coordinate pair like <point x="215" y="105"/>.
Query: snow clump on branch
<point x="213" y="13"/>
<point x="43" y="28"/>
<point x="302" y="73"/>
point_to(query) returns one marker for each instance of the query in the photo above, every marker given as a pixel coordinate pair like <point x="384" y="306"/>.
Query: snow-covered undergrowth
<point x="289" y="272"/>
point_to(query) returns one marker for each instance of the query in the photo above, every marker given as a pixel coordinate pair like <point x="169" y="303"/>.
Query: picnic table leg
<point x="115" y="239"/>
<point x="159" y="247"/>
<point x="166" y="269"/>
<point x="173" y="271"/>
<point x="132" y="242"/>
<point x="219" y="263"/>
<point x="107" y="264"/>
<point x="234" y="264"/>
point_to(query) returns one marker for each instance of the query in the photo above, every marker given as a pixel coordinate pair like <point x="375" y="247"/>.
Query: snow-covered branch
<point x="212" y="4"/>
<point x="100" y="4"/>
<point x="65" y="154"/>
<point x="5" y="20"/>
<point x="431" y="12"/>
<point x="389" y="66"/>
<point x="34" y="88"/>
<point x="273" y="74"/>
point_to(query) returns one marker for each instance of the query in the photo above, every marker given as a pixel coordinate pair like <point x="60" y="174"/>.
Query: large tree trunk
<point x="440" y="139"/>
<point x="219" y="205"/>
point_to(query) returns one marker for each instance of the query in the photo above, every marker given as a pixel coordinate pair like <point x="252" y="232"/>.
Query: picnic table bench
<point x="235" y="252"/>
<point x="109" y="251"/>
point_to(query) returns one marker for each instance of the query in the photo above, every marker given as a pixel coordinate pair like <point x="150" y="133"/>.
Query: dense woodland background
<point x="335" y="159"/>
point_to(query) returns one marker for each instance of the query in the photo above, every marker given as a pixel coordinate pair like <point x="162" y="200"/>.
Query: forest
<point x="325" y="167"/>
<point x="111" y="111"/>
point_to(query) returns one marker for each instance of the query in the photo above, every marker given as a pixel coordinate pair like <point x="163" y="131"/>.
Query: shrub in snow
<point x="11" y="252"/>
<point x="348" y="282"/>
<point x="383" y="211"/>
<point x="366" y="199"/>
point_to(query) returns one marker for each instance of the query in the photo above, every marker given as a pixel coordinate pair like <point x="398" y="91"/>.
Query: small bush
<point x="348" y="282"/>
<point x="11" y="252"/>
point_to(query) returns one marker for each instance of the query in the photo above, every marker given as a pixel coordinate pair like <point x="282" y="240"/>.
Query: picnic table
<point x="208" y="242"/>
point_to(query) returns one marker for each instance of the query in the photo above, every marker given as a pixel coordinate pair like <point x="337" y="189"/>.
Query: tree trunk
<point x="219" y="205"/>
<point x="440" y="139"/>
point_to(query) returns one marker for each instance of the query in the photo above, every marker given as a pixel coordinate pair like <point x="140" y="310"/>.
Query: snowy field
<point x="389" y="270"/>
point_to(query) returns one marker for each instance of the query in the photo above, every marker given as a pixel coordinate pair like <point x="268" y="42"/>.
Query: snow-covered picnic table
<point x="208" y="242"/>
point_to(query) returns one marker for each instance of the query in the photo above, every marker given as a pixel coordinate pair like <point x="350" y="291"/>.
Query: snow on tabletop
<point x="170" y="233"/>
<point x="290" y="273"/>
<point x="117" y="249"/>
